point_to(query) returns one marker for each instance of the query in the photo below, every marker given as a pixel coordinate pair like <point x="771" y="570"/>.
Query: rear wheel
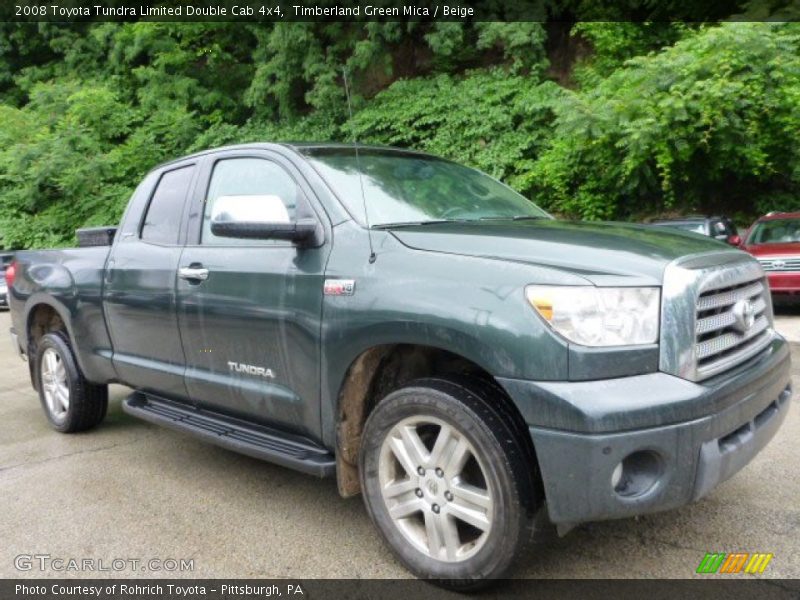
<point x="70" y="402"/>
<point x="446" y="483"/>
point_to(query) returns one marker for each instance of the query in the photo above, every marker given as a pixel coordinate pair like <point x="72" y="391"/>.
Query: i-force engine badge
<point x="339" y="287"/>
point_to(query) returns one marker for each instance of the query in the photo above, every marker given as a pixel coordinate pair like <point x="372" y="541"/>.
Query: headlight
<point x="3" y="289"/>
<point x="599" y="316"/>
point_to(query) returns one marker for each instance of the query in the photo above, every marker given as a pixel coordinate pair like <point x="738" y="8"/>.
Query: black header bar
<point x="266" y="11"/>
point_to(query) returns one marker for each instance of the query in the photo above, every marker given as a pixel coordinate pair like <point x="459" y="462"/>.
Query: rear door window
<point x="162" y="221"/>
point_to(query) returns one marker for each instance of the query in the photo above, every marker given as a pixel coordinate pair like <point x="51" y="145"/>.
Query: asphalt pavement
<point x="132" y="492"/>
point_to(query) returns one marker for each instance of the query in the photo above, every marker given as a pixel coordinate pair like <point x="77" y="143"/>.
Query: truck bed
<point x="70" y="281"/>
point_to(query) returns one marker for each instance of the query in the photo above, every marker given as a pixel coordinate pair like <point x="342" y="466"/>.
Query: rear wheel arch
<point x="42" y="318"/>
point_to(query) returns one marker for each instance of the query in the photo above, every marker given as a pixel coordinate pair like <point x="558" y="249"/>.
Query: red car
<point x="775" y="241"/>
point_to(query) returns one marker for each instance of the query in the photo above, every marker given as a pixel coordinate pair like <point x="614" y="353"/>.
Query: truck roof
<point x="296" y="146"/>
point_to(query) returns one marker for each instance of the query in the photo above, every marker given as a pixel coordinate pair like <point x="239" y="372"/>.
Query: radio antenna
<point x="358" y="166"/>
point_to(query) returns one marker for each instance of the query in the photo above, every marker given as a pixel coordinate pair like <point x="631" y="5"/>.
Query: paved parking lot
<point x="130" y="490"/>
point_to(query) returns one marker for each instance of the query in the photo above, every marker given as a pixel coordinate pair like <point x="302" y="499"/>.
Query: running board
<point x="259" y="442"/>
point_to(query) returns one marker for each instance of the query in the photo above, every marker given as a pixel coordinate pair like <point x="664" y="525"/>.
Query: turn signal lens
<point x="543" y="303"/>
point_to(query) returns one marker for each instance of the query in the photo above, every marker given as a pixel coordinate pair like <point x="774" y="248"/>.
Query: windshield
<point x="405" y="188"/>
<point x="778" y="231"/>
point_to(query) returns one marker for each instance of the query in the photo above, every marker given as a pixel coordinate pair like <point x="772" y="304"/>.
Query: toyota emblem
<point x="744" y="313"/>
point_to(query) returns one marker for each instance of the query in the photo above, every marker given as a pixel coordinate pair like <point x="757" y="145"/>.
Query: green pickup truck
<point x="467" y="363"/>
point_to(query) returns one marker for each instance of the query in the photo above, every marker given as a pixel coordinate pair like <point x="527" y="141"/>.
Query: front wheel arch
<point x="382" y="369"/>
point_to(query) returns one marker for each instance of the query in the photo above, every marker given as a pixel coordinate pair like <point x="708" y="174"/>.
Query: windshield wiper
<point x="439" y="221"/>
<point x="413" y="223"/>
<point x="514" y="218"/>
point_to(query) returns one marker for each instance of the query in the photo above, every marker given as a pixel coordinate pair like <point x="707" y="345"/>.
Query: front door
<point x="249" y="310"/>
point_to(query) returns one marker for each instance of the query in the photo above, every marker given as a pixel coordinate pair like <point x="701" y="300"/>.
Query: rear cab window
<point x="162" y="220"/>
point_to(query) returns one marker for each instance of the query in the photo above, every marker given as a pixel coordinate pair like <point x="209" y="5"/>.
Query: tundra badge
<point x="251" y="370"/>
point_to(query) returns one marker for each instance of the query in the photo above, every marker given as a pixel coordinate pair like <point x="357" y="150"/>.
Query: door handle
<point x="196" y="274"/>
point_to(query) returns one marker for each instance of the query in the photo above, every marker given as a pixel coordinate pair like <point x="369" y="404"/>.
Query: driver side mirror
<point x="260" y="217"/>
<point x="735" y="240"/>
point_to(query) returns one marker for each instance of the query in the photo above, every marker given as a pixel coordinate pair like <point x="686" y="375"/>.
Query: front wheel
<point x="446" y="482"/>
<point x="70" y="402"/>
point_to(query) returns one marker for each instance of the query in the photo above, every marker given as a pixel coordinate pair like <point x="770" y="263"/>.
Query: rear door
<point x="251" y="323"/>
<point x="139" y="291"/>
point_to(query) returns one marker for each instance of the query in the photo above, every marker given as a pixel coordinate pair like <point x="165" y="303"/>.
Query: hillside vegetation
<point x="601" y="121"/>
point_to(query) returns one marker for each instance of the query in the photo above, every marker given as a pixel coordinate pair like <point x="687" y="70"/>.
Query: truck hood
<point x="602" y="253"/>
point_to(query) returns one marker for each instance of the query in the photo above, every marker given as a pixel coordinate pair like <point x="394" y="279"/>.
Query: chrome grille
<point x="778" y="264"/>
<point x="724" y="338"/>
<point x="726" y="318"/>
<point x="729" y="315"/>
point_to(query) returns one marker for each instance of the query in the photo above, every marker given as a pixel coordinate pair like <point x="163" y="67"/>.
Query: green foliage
<point x="489" y="119"/>
<point x="657" y="117"/>
<point x="522" y="43"/>
<point x="707" y="124"/>
<point x="88" y="109"/>
<point x="614" y="43"/>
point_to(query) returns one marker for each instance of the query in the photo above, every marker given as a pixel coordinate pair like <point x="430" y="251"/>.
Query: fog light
<point x="636" y="474"/>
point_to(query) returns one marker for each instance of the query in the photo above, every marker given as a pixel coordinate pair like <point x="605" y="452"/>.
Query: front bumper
<point x="693" y="435"/>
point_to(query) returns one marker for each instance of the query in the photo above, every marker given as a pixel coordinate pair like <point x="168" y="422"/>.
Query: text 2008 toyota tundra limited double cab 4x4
<point x="418" y="329"/>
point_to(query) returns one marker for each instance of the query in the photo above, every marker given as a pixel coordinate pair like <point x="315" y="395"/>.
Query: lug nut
<point x="435" y="508"/>
<point x="420" y="470"/>
<point x="449" y="496"/>
<point x="418" y="492"/>
<point x="439" y="472"/>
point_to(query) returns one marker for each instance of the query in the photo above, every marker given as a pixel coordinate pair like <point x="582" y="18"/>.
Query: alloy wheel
<point x="54" y="384"/>
<point x="435" y="489"/>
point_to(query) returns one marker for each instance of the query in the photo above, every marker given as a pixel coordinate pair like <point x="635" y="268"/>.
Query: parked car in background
<point x="774" y="240"/>
<point x="5" y="260"/>
<point x="719" y="228"/>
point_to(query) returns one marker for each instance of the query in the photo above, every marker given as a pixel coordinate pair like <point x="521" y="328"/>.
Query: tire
<point x="496" y="480"/>
<point x="57" y="373"/>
